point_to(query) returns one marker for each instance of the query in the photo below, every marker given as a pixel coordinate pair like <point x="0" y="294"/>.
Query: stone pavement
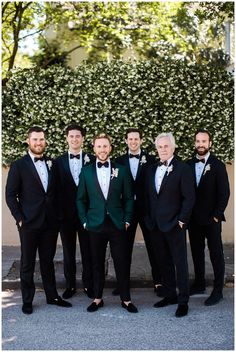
<point x="140" y="270"/>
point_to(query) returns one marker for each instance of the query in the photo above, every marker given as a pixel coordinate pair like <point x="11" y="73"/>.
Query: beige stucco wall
<point x="10" y="235"/>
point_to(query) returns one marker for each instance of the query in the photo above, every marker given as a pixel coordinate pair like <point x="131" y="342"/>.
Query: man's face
<point x="134" y="142"/>
<point x="202" y="143"/>
<point x="102" y="149"/>
<point x="36" y="142"/>
<point x="74" y="140"/>
<point x="164" y="148"/>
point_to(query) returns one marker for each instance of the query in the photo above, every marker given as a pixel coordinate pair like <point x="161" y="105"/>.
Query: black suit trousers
<point x="118" y="246"/>
<point x="198" y="234"/>
<point x="69" y="231"/>
<point x="138" y="219"/>
<point x="171" y="253"/>
<point x="44" y="241"/>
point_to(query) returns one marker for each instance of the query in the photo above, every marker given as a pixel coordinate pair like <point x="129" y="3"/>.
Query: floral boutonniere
<point x="169" y="169"/>
<point x="207" y="168"/>
<point x="143" y="160"/>
<point x="86" y="159"/>
<point x="114" y="173"/>
<point x="49" y="164"/>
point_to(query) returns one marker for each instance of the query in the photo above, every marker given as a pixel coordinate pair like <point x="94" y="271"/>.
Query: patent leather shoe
<point x="68" y="293"/>
<point x="165" y="302"/>
<point x="129" y="307"/>
<point x="182" y="310"/>
<point x="58" y="301"/>
<point x="27" y="308"/>
<point x="94" y="306"/>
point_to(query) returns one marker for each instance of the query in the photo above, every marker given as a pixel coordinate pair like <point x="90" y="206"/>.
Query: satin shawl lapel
<point x="209" y="161"/>
<point x="113" y="166"/>
<point x="96" y="182"/>
<point x="139" y="164"/>
<point x="66" y="166"/>
<point x="166" y="176"/>
<point x="33" y="170"/>
<point x="192" y="166"/>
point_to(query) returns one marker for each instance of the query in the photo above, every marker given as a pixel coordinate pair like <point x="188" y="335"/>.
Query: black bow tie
<point x="106" y="164"/>
<point x="196" y="160"/>
<point x="160" y="163"/>
<point x="38" y="158"/>
<point x="134" y="156"/>
<point x="74" y="156"/>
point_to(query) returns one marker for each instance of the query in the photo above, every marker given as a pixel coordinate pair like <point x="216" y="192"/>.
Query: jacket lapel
<point x="167" y="174"/>
<point x="66" y="166"/>
<point x="205" y="170"/>
<point x="96" y="182"/>
<point x="33" y="170"/>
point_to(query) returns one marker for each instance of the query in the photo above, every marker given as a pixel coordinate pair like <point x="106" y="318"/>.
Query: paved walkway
<point x="140" y="270"/>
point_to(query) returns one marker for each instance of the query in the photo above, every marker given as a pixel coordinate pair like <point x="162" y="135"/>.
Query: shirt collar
<point x="205" y="157"/>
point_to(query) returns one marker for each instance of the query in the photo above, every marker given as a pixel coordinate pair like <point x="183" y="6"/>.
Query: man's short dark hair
<point x="35" y="129"/>
<point x="130" y="130"/>
<point x="75" y="126"/>
<point x="202" y="130"/>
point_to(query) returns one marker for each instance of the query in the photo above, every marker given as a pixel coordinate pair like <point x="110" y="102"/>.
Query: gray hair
<point x="166" y="135"/>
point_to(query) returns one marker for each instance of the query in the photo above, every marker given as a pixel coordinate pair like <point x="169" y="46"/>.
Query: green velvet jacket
<point x="93" y="207"/>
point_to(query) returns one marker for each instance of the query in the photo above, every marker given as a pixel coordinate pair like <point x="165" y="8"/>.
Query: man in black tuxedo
<point x="136" y="160"/>
<point x="169" y="201"/>
<point x="212" y="194"/>
<point x="68" y="167"/>
<point x="30" y="196"/>
<point x="105" y="207"/>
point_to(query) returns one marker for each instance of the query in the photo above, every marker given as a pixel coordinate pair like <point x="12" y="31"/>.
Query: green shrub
<point x="155" y="96"/>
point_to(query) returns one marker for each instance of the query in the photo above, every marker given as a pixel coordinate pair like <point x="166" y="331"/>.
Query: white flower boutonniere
<point x="86" y="159"/>
<point x="207" y="168"/>
<point x="169" y="169"/>
<point x="114" y="173"/>
<point x="49" y="164"/>
<point x="143" y="160"/>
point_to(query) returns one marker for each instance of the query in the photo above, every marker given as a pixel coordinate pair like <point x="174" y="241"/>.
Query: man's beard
<point x="202" y="152"/>
<point x="36" y="152"/>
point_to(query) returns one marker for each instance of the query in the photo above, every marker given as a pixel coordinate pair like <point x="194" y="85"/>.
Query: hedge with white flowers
<point x="155" y="96"/>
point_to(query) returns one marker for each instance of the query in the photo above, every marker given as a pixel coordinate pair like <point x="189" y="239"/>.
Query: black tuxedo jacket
<point x="66" y="187"/>
<point x="26" y="197"/>
<point x="212" y="193"/>
<point x="139" y="182"/>
<point x="175" y="200"/>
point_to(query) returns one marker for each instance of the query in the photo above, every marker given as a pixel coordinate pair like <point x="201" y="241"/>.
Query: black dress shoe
<point x="89" y="292"/>
<point x="94" y="306"/>
<point x="59" y="302"/>
<point x="130" y="307"/>
<point x="196" y="290"/>
<point x="116" y="292"/>
<point x="27" y="308"/>
<point x="214" y="298"/>
<point x="165" y="302"/>
<point x="68" y="293"/>
<point x="182" y="310"/>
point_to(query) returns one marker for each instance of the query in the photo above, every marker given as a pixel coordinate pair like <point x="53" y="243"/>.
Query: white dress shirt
<point x="75" y="167"/>
<point x="41" y="170"/>
<point x="160" y="173"/>
<point x="104" y="177"/>
<point x="134" y="163"/>
<point x="199" y="167"/>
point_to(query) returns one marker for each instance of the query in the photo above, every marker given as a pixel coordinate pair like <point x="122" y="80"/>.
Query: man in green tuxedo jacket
<point x="105" y="206"/>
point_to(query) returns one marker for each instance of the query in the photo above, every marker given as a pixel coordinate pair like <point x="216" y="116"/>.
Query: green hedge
<point x="156" y="96"/>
